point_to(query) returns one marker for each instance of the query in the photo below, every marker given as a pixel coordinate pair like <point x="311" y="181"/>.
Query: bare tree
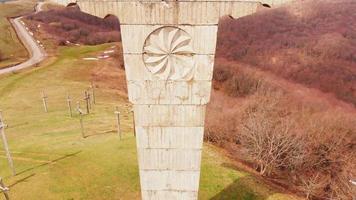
<point x="268" y="134"/>
<point x="312" y="185"/>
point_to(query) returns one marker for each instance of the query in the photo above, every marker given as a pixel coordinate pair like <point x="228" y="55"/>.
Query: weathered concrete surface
<point x="169" y="50"/>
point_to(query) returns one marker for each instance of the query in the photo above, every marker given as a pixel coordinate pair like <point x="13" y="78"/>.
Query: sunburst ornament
<point x="168" y="54"/>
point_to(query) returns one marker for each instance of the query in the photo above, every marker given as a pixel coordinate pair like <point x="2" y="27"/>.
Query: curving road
<point x="36" y="52"/>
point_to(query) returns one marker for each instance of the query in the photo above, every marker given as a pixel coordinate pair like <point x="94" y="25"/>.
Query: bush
<point x="243" y="84"/>
<point x="221" y="75"/>
<point x="330" y="159"/>
<point x="269" y="135"/>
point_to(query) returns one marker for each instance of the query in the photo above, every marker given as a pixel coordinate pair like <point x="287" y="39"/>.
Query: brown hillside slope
<point x="310" y="42"/>
<point x="72" y="25"/>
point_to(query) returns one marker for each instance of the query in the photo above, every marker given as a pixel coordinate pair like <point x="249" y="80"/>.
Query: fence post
<point x="4" y="189"/>
<point x="69" y="102"/>
<point x="93" y="92"/>
<point x="118" y="122"/>
<point x="44" y="100"/>
<point x="80" y="119"/>
<point x="6" y="146"/>
<point x="86" y="98"/>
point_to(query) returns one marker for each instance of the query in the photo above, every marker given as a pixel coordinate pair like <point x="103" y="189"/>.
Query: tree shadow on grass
<point x="244" y="188"/>
<point x="49" y="162"/>
<point x="101" y="133"/>
<point x="21" y="180"/>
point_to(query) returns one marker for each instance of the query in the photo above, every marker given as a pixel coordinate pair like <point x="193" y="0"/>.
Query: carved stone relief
<point x="168" y="54"/>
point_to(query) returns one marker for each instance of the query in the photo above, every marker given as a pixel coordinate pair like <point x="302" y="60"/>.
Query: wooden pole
<point x="4" y="189"/>
<point x="80" y="119"/>
<point x="44" y="100"/>
<point x="89" y="100"/>
<point x="93" y="92"/>
<point x="86" y="98"/>
<point x="69" y="102"/>
<point x="6" y="146"/>
<point x="118" y="122"/>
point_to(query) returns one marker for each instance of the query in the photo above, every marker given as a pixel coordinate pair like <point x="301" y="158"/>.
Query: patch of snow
<point x="90" y="59"/>
<point x="104" y="56"/>
<point x="110" y="51"/>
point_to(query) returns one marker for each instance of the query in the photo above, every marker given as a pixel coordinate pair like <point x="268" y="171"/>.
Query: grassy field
<point x="54" y="162"/>
<point x="11" y="48"/>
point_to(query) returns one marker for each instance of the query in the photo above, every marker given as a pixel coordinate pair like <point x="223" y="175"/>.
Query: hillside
<point x="12" y="51"/>
<point x="71" y="26"/>
<point x="52" y="159"/>
<point x="284" y="77"/>
<point x="285" y="96"/>
<point x="312" y="43"/>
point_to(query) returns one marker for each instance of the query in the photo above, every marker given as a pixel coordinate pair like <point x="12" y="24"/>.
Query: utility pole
<point x="118" y="122"/>
<point x="6" y="146"/>
<point x="44" y="100"/>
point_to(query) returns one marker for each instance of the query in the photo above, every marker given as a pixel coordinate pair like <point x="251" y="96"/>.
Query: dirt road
<point x="36" y="52"/>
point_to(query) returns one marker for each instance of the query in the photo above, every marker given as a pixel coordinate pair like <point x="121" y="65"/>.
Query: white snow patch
<point x="110" y="51"/>
<point x="103" y="57"/>
<point x="90" y="59"/>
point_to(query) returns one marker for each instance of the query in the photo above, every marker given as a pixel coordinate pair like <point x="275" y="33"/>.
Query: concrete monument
<point x="169" y="50"/>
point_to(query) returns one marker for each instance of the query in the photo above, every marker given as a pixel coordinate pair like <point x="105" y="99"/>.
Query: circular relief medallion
<point x="168" y="54"/>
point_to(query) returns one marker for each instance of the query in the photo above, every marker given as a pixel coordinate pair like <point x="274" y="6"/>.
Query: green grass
<point x="54" y="162"/>
<point x="11" y="48"/>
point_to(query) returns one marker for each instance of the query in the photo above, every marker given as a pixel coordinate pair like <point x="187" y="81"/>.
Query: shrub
<point x="269" y="135"/>
<point x="221" y="75"/>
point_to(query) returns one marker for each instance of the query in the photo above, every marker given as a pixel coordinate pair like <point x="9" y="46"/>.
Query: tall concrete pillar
<point x="169" y="50"/>
<point x="169" y="71"/>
